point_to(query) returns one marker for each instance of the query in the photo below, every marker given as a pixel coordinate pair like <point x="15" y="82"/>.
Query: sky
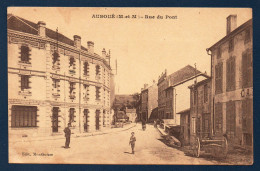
<point x="143" y="48"/>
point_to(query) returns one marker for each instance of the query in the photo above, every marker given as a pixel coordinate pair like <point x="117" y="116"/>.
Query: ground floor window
<point x="97" y="119"/>
<point x="24" y="116"/>
<point x="55" y="120"/>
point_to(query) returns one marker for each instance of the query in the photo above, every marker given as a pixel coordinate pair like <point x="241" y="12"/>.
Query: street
<point x="112" y="148"/>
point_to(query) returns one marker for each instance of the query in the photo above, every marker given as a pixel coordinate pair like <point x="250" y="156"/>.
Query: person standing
<point x="67" y="132"/>
<point x="132" y="142"/>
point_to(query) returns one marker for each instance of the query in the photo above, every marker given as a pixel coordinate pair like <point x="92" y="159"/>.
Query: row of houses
<point x="209" y="105"/>
<point x="54" y="81"/>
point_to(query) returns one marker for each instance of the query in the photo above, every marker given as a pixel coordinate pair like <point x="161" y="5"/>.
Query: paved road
<point x="110" y="148"/>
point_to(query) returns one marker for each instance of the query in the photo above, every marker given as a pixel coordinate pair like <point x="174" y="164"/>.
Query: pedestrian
<point x="67" y="132"/>
<point x="132" y="142"/>
<point x="155" y="124"/>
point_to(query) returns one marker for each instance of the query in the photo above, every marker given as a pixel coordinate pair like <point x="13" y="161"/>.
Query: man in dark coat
<point x="67" y="132"/>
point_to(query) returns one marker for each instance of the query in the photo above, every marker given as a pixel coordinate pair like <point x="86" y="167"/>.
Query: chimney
<point x="41" y="28"/>
<point x="231" y="23"/>
<point x="91" y="46"/>
<point x="104" y="53"/>
<point x="77" y="41"/>
<point x="108" y="57"/>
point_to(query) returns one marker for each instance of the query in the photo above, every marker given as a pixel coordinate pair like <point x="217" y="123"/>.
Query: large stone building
<point x="54" y="81"/>
<point x="232" y="83"/>
<point x="149" y="100"/>
<point x="173" y="92"/>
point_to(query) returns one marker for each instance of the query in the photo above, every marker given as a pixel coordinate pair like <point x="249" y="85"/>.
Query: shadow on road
<point x="128" y="152"/>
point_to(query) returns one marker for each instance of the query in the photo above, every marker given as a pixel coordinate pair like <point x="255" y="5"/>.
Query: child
<point x="132" y="142"/>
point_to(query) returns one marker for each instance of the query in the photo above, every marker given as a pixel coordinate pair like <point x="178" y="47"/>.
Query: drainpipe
<point x="212" y="97"/>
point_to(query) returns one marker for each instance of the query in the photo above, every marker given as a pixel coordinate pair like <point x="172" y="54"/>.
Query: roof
<point x="200" y="83"/>
<point x="186" y="111"/>
<point x="20" y="24"/>
<point x="185" y="74"/>
<point x="231" y="34"/>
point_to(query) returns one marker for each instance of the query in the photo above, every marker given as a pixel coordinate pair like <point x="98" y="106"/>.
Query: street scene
<point x="152" y="86"/>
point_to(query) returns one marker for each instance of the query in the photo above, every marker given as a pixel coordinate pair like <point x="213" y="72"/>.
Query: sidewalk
<point x="76" y="135"/>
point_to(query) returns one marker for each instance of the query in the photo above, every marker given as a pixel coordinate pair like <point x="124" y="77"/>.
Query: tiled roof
<point x="182" y="74"/>
<point x="23" y="25"/>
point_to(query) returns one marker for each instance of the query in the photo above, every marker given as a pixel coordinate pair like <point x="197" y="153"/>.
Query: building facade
<point x="173" y="91"/>
<point x="232" y="83"/>
<point x="149" y="96"/>
<point x="200" y="110"/>
<point x="53" y="81"/>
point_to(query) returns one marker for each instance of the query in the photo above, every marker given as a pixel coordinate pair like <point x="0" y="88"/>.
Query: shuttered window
<point x="205" y="93"/>
<point x="247" y="69"/>
<point x="25" y="82"/>
<point x="231" y="119"/>
<point x="218" y="78"/>
<point x="230" y="74"/>
<point x="25" y="53"/>
<point x="24" y="116"/>
<point x="218" y="118"/>
<point x="247" y="116"/>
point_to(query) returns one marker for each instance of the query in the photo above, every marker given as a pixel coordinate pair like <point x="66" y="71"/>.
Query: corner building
<point x="54" y="81"/>
<point x="232" y="83"/>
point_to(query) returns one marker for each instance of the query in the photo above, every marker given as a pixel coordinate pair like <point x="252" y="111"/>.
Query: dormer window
<point x="25" y="54"/>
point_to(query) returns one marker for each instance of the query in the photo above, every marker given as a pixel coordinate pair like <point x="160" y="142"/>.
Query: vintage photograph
<point x="152" y="86"/>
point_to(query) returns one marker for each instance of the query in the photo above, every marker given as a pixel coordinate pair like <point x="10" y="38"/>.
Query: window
<point x="247" y="36"/>
<point x="218" y="52"/>
<point x="218" y="77"/>
<point x="25" y="54"/>
<point x="231" y="45"/>
<point x="97" y="93"/>
<point x="97" y="70"/>
<point x="86" y="69"/>
<point x="231" y="119"/>
<point x="86" y="119"/>
<point x="55" y="85"/>
<point x="205" y="93"/>
<point x="72" y="62"/>
<point x="24" y="116"/>
<point x="86" y="93"/>
<point x="247" y="116"/>
<point x="72" y="90"/>
<point x="55" y="58"/>
<point x="25" y="82"/>
<point x="247" y="69"/>
<point x="218" y="118"/>
<point x="55" y="120"/>
<point x="230" y="74"/>
<point x="195" y="97"/>
<point x="71" y="116"/>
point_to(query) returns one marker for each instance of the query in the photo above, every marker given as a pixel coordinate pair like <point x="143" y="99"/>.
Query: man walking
<point x="67" y="132"/>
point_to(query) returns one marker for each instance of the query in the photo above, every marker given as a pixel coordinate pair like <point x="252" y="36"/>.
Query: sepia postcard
<point x="153" y="86"/>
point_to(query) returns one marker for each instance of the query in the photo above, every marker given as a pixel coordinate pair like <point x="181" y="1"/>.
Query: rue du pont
<point x="160" y="17"/>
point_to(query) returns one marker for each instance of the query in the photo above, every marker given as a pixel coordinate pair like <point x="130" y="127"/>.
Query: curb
<point x="62" y="137"/>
